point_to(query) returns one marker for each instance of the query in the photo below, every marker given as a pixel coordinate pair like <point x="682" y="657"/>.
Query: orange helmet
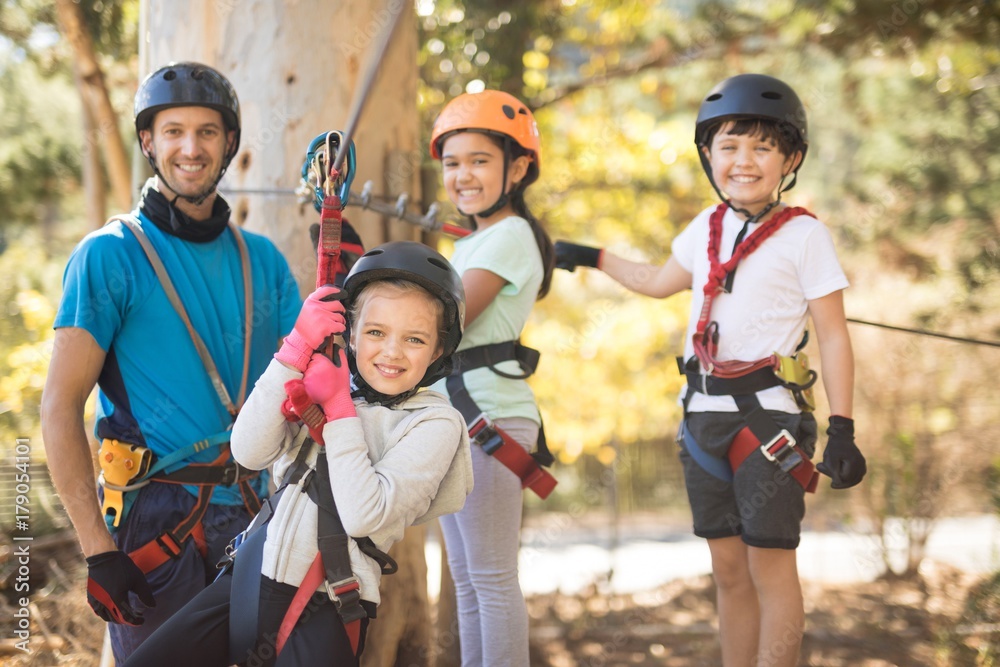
<point x="491" y="112"/>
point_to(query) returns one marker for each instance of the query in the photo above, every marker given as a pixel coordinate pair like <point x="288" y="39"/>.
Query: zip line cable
<point x="924" y="332"/>
<point x="361" y="96"/>
<point x="429" y="222"/>
<point x="432" y="221"/>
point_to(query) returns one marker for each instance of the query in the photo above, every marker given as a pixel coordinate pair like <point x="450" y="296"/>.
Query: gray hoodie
<point x="390" y="468"/>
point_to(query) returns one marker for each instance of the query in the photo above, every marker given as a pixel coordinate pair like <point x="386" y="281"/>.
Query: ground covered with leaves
<point x="944" y="618"/>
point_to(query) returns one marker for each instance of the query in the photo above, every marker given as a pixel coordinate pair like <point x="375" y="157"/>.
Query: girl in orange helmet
<point x="490" y="152"/>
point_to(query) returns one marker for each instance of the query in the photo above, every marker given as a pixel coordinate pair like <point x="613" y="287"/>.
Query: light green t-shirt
<point x="508" y="249"/>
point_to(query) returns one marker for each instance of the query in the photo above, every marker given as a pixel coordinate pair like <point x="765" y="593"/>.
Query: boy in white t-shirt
<point x="748" y="433"/>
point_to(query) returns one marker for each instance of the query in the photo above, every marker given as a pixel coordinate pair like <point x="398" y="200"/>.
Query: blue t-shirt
<point x="154" y="389"/>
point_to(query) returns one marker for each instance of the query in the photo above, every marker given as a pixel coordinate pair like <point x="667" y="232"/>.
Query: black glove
<point x="570" y="255"/>
<point x="842" y="460"/>
<point x="112" y="576"/>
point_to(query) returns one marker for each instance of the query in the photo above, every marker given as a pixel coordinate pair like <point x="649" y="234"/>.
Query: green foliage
<point x="902" y="100"/>
<point x="39" y="156"/>
<point x="29" y="285"/>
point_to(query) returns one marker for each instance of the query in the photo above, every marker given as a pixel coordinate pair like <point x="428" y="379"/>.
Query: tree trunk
<point x="295" y="67"/>
<point x="448" y="648"/>
<point x="397" y="638"/>
<point x="94" y="184"/>
<point x="94" y="94"/>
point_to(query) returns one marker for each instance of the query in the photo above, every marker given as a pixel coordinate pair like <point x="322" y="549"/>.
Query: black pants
<point x="198" y="634"/>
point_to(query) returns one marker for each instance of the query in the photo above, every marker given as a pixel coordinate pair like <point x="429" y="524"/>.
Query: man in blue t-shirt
<point x="174" y="313"/>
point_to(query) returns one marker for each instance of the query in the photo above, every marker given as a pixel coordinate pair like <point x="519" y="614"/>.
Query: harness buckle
<point x="483" y="433"/>
<point x="230" y="473"/>
<point x="346" y="596"/>
<point x="781" y="451"/>
<point x="342" y="588"/>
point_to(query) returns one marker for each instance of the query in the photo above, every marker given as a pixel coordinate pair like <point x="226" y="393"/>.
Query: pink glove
<point x="330" y="386"/>
<point x="322" y="316"/>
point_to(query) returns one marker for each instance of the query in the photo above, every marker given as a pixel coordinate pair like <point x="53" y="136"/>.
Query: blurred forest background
<point x="903" y="99"/>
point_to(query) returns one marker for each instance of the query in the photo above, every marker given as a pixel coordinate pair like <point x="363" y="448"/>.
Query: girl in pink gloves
<point x="304" y="582"/>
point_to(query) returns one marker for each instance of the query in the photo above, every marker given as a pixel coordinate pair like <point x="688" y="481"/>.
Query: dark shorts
<point x="198" y="635"/>
<point x="162" y="507"/>
<point x="762" y="504"/>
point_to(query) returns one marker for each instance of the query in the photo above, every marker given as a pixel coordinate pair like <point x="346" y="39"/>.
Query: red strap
<point x="314" y="577"/>
<point x="521" y="463"/>
<point x="169" y="544"/>
<point x="706" y="333"/>
<point x="328" y="246"/>
<point x="746" y="442"/>
<point x="310" y="413"/>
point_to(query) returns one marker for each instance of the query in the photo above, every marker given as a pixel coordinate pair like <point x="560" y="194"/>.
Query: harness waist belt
<point x="488" y="356"/>
<point x="758" y="380"/>
<point x="170" y="544"/>
<point x="201" y="474"/>
<point x="483" y="432"/>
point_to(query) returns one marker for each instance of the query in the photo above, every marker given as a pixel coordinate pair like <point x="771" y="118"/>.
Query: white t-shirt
<point x="767" y="309"/>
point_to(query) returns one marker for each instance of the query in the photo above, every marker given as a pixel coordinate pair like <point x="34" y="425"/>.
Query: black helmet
<point x="752" y="96"/>
<point x="749" y="96"/>
<point x="187" y="84"/>
<point x="418" y="263"/>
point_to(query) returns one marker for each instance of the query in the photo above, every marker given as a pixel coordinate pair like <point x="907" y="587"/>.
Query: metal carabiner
<point x="338" y="183"/>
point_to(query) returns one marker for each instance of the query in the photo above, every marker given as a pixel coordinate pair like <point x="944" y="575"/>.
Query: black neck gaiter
<point x="170" y="219"/>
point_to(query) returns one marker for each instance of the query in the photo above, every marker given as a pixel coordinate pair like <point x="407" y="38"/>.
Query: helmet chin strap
<point x="505" y="197"/>
<point x="196" y="200"/>
<point x="751" y="218"/>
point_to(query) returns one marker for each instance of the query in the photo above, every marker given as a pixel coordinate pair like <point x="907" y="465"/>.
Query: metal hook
<point x="429" y="221"/>
<point x="366" y="194"/>
<point x="401" y="206"/>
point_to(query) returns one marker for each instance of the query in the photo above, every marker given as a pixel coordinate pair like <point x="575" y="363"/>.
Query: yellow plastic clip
<point x="795" y="374"/>
<point x="121" y="464"/>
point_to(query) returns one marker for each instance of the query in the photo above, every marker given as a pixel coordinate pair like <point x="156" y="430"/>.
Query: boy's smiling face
<point x="748" y="168"/>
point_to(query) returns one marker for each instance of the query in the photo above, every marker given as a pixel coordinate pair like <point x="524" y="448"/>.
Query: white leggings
<point x="482" y="543"/>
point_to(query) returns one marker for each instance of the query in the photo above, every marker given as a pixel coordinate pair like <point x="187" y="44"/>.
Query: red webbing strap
<point x="312" y="581"/>
<point x="298" y="403"/>
<point x="706" y="333"/>
<point x="251" y="501"/>
<point x="524" y="465"/>
<point x="169" y="544"/>
<point x="314" y="577"/>
<point x="328" y="246"/>
<point x="745" y="443"/>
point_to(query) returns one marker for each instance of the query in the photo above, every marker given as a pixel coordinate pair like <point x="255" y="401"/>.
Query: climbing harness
<point x="127" y="467"/>
<point x="332" y="565"/>
<point x="743" y="379"/>
<point x="483" y="432"/>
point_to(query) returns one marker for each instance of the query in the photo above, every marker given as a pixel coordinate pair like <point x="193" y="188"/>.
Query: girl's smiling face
<point x="472" y="165"/>
<point x="395" y="336"/>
